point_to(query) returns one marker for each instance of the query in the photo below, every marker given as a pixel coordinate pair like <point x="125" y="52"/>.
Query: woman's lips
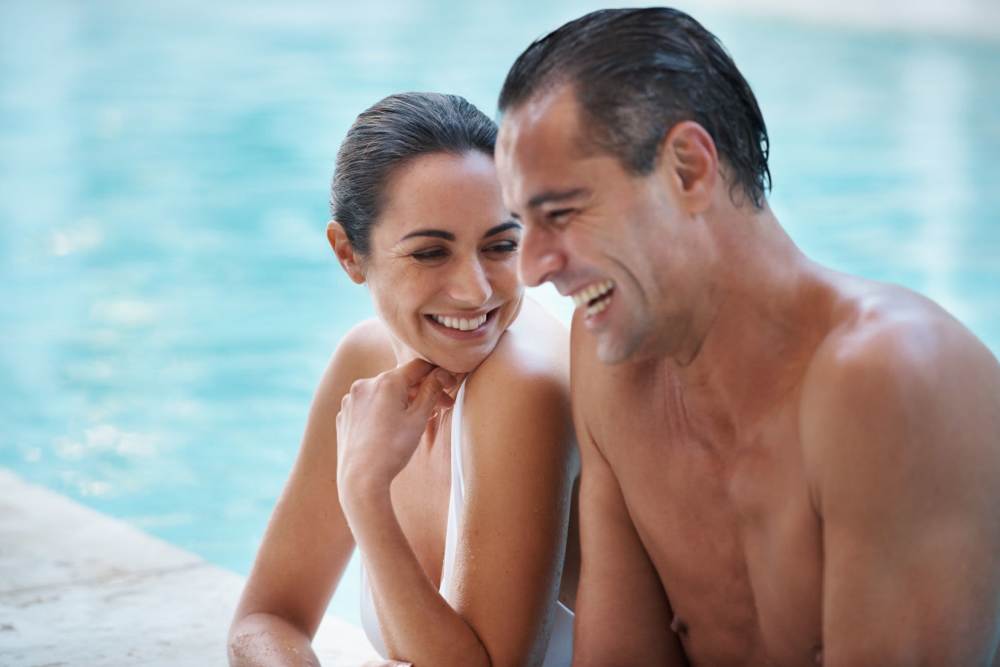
<point x="463" y="328"/>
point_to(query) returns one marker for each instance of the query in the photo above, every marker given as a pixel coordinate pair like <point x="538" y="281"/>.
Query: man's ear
<point x="345" y="252"/>
<point x="689" y="160"/>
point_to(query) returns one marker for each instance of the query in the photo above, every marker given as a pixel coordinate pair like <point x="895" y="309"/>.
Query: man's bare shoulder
<point x="894" y="361"/>
<point x="886" y="331"/>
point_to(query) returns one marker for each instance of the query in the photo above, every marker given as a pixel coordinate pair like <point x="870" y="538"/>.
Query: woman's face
<point x="443" y="262"/>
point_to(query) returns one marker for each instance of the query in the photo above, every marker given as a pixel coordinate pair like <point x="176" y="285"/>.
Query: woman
<point x="439" y="440"/>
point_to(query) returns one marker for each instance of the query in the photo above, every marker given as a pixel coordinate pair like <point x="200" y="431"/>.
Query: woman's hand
<point x="380" y="423"/>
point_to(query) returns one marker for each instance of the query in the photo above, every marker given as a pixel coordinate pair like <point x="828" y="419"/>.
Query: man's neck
<point x="758" y="321"/>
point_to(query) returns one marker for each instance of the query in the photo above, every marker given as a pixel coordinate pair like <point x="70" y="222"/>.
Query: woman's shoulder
<point x="534" y="349"/>
<point x="367" y="342"/>
<point x="363" y="352"/>
<point x="527" y="374"/>
<point x="517" y="407"/>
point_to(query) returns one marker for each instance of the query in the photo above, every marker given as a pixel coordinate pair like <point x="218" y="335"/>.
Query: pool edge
<point x="80" y="587"/>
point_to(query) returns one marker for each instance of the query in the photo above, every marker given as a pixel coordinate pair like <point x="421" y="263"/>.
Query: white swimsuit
<point x="560" y="649"/>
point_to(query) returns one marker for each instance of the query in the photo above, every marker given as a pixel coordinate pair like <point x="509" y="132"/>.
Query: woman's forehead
<point x="455" y="193"/>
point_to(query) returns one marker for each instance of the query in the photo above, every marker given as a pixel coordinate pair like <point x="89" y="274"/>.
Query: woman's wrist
<point x="362" y="495"/>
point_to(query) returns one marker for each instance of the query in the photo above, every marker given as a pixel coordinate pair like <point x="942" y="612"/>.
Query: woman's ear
<point x="345" y="252"/>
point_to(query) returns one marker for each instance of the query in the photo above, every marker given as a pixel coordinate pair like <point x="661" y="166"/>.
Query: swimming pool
<point x="168" y="298"/>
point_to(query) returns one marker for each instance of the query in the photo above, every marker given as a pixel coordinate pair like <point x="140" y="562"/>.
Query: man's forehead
<point x="549" y="115"/>
<point x="537" y="144"/>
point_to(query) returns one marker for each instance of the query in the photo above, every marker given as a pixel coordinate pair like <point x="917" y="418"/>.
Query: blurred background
<point x="167" y="297"/>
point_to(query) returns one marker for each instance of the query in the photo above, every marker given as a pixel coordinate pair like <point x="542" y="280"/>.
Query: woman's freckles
<point x="443" y="261"/>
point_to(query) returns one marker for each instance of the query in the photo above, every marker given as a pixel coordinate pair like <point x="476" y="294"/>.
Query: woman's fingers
<point x="430" y="392"/>
<point x="412" y="372"/>
<point x="414" y="376"/>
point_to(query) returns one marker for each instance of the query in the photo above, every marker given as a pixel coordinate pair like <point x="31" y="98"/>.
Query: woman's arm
<point x="512" y="539"/>
<point x="380" y="425"/>
<point x="307" y="544"/>
<point x="521" y="466"/>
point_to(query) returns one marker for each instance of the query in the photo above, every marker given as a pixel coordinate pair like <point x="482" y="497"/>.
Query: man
<point x="782" y="465"/>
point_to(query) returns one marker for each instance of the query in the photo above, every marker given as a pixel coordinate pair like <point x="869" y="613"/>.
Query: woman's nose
<point x="470" y="285"/>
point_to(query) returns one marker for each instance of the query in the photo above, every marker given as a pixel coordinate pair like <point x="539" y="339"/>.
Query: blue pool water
<point x="167" y="298"/>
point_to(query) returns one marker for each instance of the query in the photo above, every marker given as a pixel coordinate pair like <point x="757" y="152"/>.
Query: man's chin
<point x="611" y="356"/>
<point x="613" y="350"/>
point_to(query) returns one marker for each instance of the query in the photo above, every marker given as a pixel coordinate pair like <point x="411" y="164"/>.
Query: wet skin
<point x="374" y="468"/>
<point x="782" y="465"/>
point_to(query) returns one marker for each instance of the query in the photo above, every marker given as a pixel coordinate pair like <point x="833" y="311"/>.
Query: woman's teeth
<point x="460" y="323"/>
<point x="595" y="291"/>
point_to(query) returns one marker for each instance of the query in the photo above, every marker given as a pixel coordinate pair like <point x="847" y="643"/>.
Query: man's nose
<point x="541" y="259"/>
<point x="470" y="285"/>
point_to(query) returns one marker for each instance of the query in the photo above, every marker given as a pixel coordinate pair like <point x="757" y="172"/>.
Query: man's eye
<point x="429" y="255"/>
<point x="505" y="246"/>
<point x="559" y="215"/>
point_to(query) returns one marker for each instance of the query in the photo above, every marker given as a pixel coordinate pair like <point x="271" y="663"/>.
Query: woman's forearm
<point x="418" y="625"/>
<point x="266" y="640"/>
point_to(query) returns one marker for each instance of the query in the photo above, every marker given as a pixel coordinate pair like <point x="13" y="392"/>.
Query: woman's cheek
<point x="506" y="281"/>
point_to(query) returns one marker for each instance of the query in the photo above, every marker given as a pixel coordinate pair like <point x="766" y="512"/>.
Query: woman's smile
<point x="463" y="325"/>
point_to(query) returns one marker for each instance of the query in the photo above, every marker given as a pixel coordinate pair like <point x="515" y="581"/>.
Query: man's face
<point x="600" y="234"/>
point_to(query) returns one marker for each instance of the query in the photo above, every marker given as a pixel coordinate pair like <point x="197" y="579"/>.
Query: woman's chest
<point x="420" y="495"/>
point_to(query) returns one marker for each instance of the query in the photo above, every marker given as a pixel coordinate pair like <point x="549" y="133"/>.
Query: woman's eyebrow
<point x="502" y="227"/>
<point x="448" y="236"/>
<point x="433" y="233"/>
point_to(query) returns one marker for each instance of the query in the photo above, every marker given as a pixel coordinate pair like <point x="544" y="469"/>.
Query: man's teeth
<point x="597" y="307"/>
<point x="461" y="323"/>
<point x="588" y="294"/>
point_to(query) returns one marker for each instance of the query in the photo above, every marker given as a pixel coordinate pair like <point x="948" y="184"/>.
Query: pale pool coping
<point x="975" y="19"/>
<point x="80" y="588"/>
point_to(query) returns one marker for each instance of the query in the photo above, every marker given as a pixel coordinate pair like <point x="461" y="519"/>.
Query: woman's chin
<point x="456" y="364"/>
<point x="458" y="367"/>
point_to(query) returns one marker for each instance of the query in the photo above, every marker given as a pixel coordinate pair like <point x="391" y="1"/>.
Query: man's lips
<point x="593" y="293"/>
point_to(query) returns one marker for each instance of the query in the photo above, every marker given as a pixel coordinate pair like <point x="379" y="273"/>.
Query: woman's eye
<point x="429" y="255"/>
<point x="505" y="246"/>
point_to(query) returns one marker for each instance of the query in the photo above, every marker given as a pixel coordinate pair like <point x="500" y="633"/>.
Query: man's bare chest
<point x="727" y="520"/>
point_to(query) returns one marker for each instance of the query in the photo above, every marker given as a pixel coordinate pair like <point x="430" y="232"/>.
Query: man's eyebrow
<point x="433" y="233"/>
<point x="502" y="227"/>
<point x="556" y="196"/>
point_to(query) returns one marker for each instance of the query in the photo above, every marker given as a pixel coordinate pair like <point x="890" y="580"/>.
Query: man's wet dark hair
<point x="393" y="132"/>
<point x="638" y="72"/>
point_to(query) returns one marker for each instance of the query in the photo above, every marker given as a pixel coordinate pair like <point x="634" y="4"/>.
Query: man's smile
<point x="596" y="297"/>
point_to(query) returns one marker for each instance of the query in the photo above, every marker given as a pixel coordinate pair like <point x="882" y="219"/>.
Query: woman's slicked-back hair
<point x="638" y="72"/>
<point x="391" y="133"/>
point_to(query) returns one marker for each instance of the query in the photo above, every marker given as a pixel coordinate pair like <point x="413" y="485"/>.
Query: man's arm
<point x="622" y="613"/>
<point x="901" y="433"/>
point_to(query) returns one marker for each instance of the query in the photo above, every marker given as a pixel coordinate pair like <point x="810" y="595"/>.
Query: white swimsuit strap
<point x="456" y="501"/>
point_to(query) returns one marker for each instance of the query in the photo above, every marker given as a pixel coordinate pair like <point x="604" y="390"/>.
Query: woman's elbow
<point x="261" y="638"/>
